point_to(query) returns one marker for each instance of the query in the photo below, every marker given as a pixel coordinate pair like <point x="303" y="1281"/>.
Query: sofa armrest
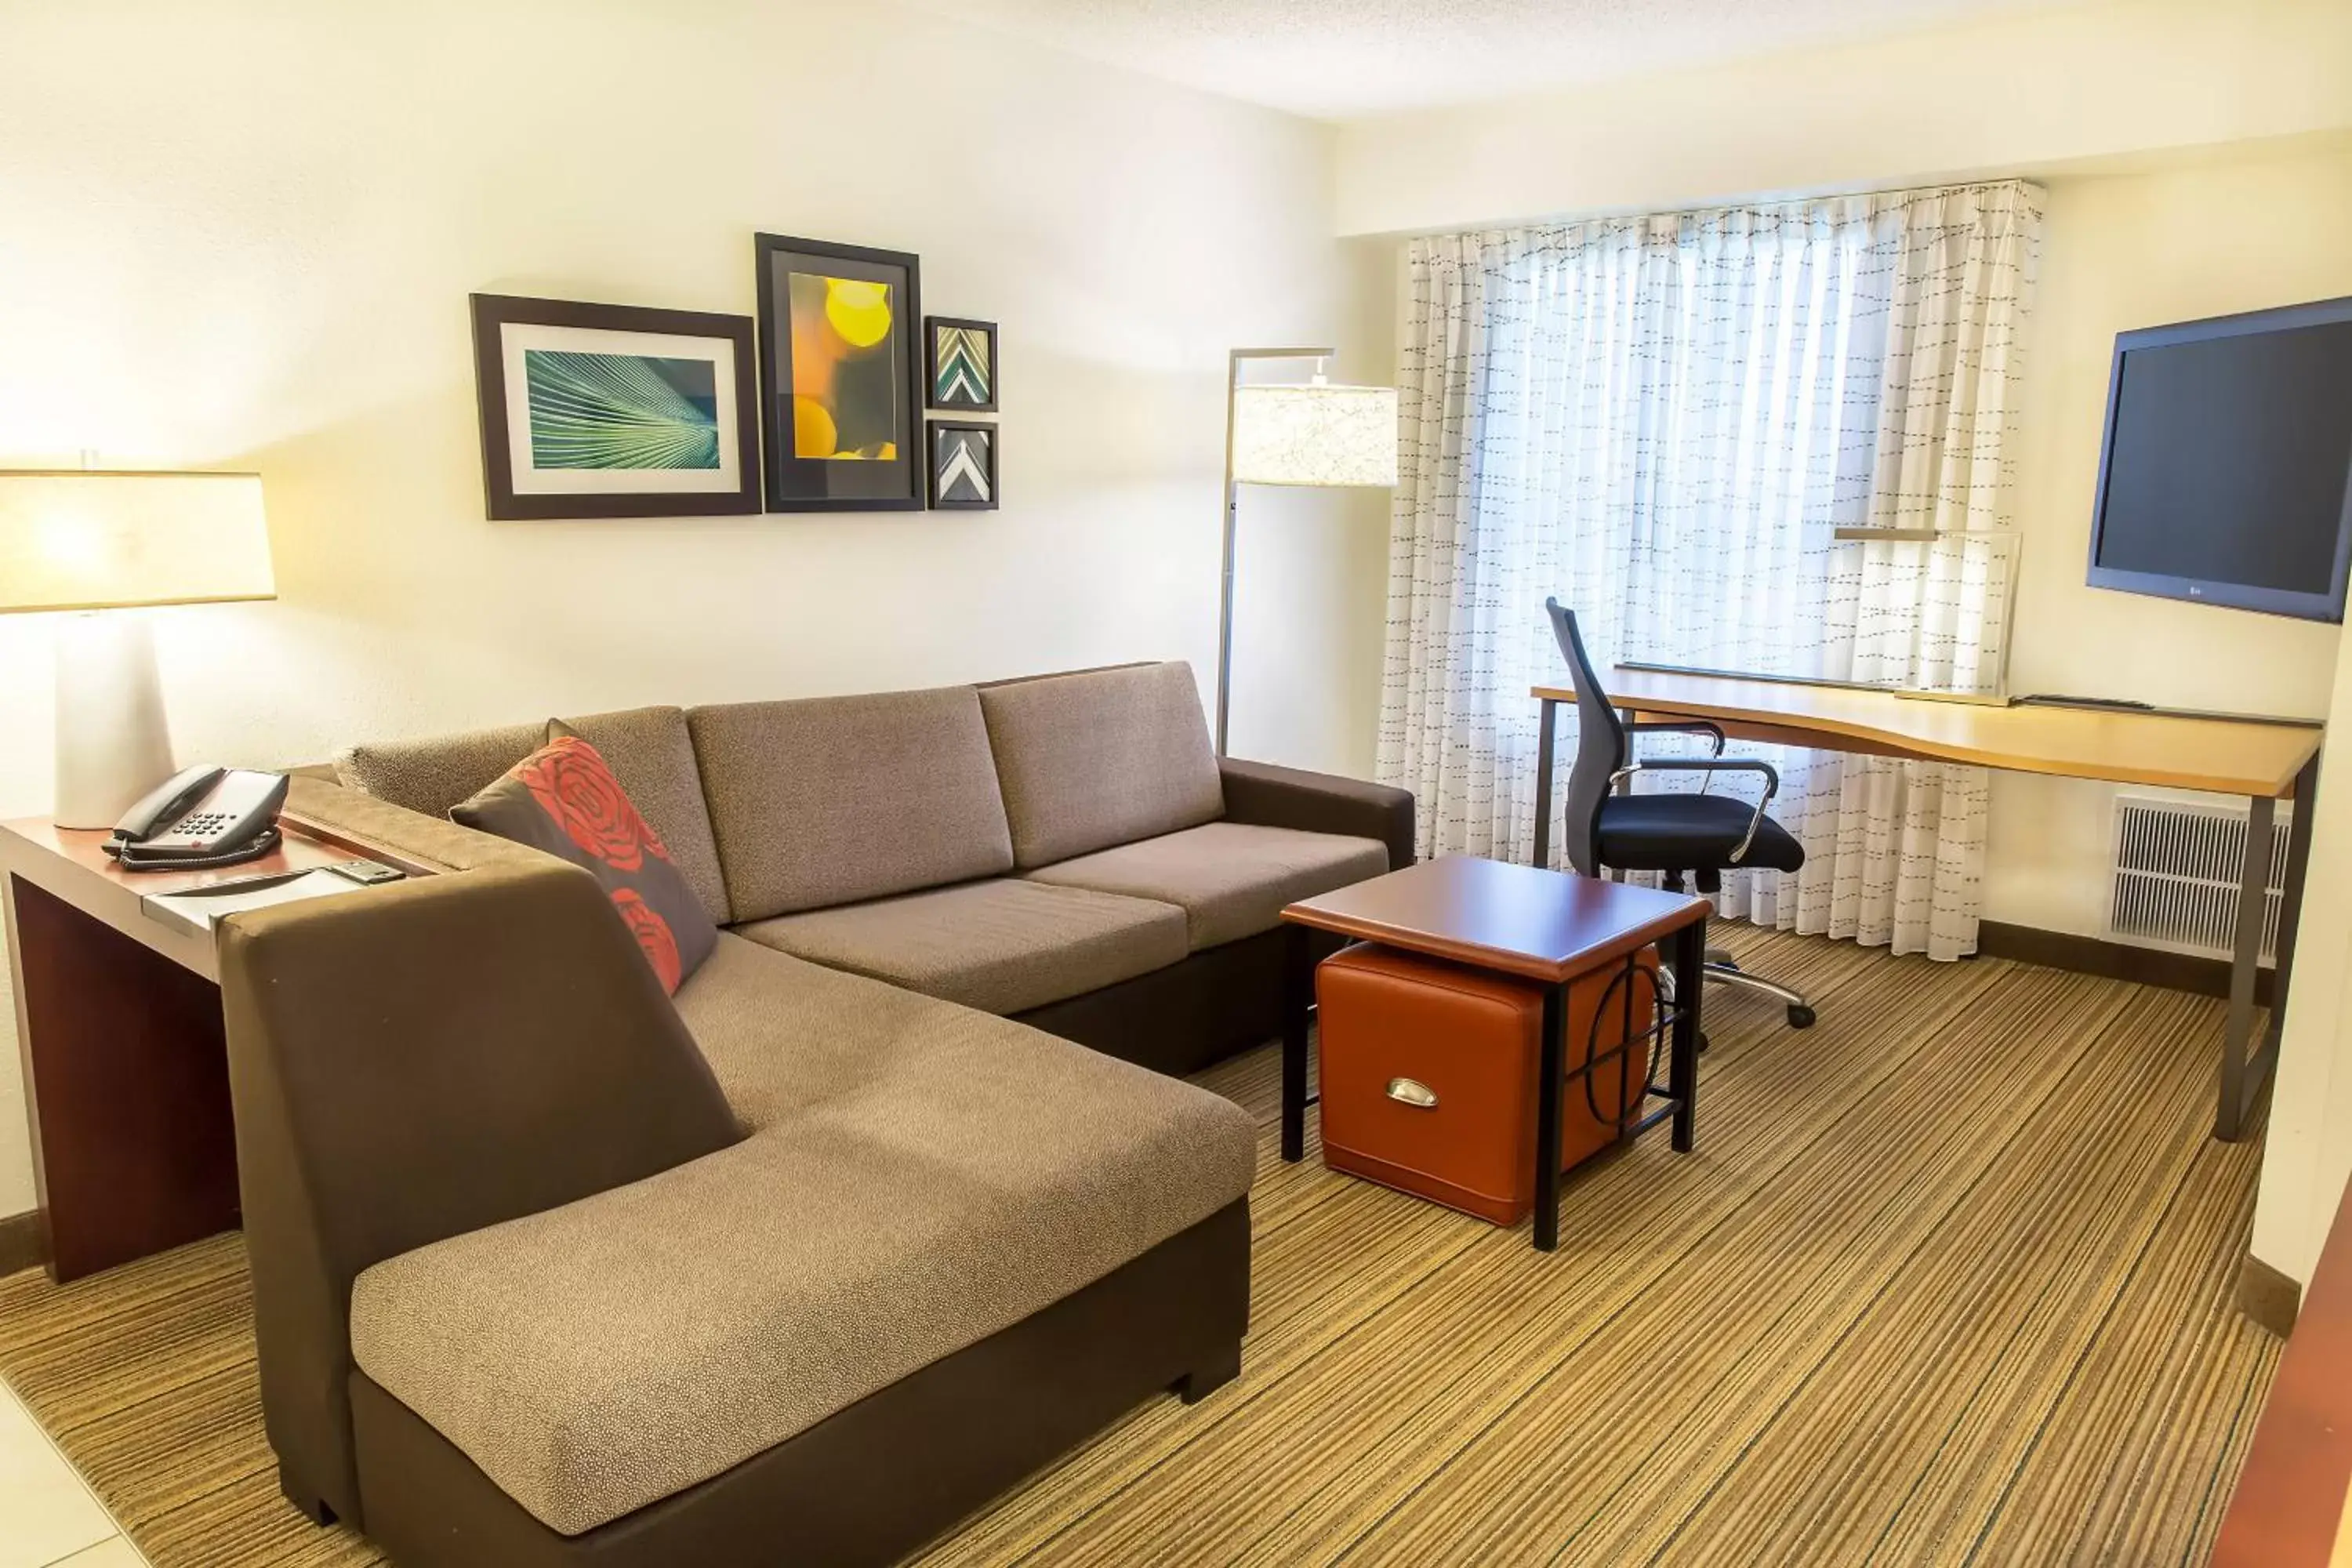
<point x="1270" y="796"/>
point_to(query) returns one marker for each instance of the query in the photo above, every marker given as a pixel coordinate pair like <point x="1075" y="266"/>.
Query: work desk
<point x="2263" y="763"/>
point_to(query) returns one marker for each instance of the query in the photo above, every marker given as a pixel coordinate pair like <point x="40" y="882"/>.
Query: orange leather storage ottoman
<point x="1429" y="1074"/>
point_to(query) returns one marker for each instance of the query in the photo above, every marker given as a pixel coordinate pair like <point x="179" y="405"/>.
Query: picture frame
<point x="605" y="411"/>
<point x="963" y="462"/>
<point x="960" y="364"/>
<point x="841" y="372"/>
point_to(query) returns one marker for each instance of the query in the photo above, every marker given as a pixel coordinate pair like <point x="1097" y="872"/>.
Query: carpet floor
<point x="1948" y="1280"/>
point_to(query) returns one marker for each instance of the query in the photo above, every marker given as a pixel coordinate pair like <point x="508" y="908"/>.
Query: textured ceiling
<point x="1336" y="59"/>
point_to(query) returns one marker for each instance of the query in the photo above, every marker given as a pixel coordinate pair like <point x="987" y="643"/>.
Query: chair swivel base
<point x="1728" y="971"/>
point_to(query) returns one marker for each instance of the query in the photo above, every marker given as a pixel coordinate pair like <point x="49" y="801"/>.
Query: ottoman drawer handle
<point x="1414" y="1092"/>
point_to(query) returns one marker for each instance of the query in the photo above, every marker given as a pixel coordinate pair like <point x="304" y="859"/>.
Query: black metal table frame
<point x="1687" y="956"/>
<point x="2247" y="1062"/>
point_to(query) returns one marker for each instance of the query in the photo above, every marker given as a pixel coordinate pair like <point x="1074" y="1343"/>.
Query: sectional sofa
<point x="812" y="1260"/>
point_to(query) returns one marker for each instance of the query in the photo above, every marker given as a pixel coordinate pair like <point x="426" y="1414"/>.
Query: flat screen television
<point x="2225" y="476"/>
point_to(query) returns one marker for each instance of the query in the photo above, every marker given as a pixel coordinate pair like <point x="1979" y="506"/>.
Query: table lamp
<point x="101" y="544"/>
<point x="1317" y="435"/>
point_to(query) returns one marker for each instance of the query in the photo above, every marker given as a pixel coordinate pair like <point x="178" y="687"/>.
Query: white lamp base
<point x="113" y="743"/>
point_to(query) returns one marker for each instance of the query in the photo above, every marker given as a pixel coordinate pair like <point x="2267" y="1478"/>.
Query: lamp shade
<point x="1315" y="435"/>
<point x="88" y="541"/>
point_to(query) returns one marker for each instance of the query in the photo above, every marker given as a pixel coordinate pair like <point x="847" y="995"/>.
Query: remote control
<point x="367" y="873"/>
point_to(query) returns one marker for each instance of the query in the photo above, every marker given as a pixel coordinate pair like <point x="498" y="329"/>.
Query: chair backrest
<point x="1600" y="747"/>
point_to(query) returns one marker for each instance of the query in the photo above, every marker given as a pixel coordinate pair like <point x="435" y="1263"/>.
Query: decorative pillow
<point x="562" y="798"/>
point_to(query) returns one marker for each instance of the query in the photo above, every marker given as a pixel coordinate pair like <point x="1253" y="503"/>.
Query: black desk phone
<point x="198" y="817"/>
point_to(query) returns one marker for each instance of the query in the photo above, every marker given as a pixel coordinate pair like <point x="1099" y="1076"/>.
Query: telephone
<point x="198" y="817"/>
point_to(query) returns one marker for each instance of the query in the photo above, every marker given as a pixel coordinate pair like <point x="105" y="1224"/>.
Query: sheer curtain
<point x="1664" y="421"/>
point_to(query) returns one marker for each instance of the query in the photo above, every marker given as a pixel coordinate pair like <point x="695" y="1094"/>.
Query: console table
<point x="119" y="1037"/>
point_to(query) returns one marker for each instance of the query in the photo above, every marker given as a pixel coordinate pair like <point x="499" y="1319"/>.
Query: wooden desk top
<point x="1541" y="925"/>
<point x="2221" y="755"/>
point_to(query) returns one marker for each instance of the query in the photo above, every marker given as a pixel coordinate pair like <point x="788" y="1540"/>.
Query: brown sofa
<point x="810" y="1262"/>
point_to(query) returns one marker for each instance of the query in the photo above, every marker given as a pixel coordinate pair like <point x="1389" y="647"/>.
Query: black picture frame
<point x="732" y="370"/>
<point x="795" y="483"/>
<point x="934" y="328"/>
<point x="936" y="455"/>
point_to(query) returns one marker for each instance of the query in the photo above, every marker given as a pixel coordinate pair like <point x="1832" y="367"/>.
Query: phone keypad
<point x="202" y="826"/>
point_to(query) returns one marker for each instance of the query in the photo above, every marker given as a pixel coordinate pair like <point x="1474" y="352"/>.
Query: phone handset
<point x="199" y="818"/>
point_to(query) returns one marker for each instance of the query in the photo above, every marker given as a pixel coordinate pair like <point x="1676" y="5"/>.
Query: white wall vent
<point x="2176" y="865"/>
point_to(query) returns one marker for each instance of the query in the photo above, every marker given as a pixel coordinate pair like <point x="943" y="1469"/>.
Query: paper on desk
<point x="198" y="910"/>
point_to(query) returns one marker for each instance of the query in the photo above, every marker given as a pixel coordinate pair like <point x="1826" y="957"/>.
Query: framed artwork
<point x="964" y="466"/>
<point x="960" y="363"/>
<point x="613" y="410"/>
<point x="841" y="372"/>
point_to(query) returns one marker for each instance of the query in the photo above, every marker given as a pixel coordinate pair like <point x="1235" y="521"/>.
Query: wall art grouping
<point x="594" y="411"/>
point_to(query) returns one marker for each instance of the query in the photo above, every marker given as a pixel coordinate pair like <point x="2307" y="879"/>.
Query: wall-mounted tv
<point x="2226" y="474"/>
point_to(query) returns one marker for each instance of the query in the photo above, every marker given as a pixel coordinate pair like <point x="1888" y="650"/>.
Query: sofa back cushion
<point x="828" y="800"/>
<point x="1101" y="757"/>
<point x="648" y="747"/>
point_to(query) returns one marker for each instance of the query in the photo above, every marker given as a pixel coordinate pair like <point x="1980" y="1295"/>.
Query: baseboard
<point x="2268" y="1297"/>
<point x="20" y="1241"/>
<point x="2113" y="960"/>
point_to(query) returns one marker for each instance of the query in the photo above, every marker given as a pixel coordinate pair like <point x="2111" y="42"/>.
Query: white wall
<point x="242" y="235"/>
<point x="2003" y="96"/>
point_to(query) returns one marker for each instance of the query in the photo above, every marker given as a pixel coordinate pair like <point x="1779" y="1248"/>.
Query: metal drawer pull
<point x="1413" y="1092"/>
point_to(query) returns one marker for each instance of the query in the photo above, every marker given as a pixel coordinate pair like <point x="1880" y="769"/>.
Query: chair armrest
<point x="1266" y="795"/>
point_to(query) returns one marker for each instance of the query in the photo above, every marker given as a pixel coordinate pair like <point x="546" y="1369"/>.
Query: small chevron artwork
<point x="963" y="467"/>
<point x="962" y="363"/>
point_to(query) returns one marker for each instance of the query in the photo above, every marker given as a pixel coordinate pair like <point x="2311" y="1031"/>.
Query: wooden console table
<point x="118" y="1033"/>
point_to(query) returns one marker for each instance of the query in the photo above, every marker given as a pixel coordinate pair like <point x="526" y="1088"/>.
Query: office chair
<point x="1683" y="835"/>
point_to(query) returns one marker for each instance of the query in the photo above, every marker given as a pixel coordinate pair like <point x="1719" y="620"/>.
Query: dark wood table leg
<point x="1298" y="992"/>
<point x="1682" y="1064"/>
<point x="2298" y="868"/>
<point x="1550" y="1084"/>
<point x="1547" y="725"/>
<point x="126" y="1085"/>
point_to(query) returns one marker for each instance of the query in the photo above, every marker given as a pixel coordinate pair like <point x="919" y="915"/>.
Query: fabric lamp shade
<point x="90" y="541"/>
<point x="1317" y="435"/>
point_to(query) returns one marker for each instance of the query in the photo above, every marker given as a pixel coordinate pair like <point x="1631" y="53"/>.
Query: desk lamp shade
<point x="1317" y="434"/>
<point x="90" y="541"/>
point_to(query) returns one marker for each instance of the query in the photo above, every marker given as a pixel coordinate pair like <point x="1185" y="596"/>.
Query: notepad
<point x="198" y="909"/>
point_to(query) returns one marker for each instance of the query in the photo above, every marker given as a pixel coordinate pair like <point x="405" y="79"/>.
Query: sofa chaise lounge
<point x="808" y="1262"/>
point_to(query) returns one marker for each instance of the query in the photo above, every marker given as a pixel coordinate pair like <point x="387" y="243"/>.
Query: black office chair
<point x="1683" y="836"/>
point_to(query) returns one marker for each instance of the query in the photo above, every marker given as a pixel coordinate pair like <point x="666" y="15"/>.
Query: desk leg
<point x="1550" y="1076"/>
<point x="126" y="1087"/>
<point x="1547" y="726"/>
<point x="1297" y="986"/>
<point x="1682" y="1065"/>
<point x="2299" y="866"/>
<point x="2242" y="1077"/>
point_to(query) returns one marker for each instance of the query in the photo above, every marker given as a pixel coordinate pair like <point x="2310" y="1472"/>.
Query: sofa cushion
<point x="920" y="1176"/>
<point x="829" y="800"/>
<point x="1003" y="946"/>
<point x="1101" y="757"/>
<point x="564" y="800"/>
<point x="652" y="756"/>
<point x="1231" y="878"/>
<point x="431" y="773"/>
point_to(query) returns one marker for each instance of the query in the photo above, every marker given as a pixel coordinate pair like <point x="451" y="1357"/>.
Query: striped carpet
<point x="1947" y="1280"/>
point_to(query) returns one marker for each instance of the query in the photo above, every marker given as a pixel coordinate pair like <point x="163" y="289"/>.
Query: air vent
<point x="2176" y="866"/>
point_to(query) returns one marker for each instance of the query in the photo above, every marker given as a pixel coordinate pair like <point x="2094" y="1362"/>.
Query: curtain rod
<point x="1608" y="215"/>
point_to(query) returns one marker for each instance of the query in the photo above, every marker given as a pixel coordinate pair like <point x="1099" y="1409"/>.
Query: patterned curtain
<point x="1664" y="421"/>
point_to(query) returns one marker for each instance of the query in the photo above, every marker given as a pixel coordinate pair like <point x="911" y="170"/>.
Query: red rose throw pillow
<point x="562" y="798"/>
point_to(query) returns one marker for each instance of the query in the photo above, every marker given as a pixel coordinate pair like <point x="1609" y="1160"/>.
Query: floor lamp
<point x="99" y="544"/>
<point x="1316" y="435"/>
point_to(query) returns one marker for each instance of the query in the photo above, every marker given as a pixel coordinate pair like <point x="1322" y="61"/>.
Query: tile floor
<point x="48" y="1517"/>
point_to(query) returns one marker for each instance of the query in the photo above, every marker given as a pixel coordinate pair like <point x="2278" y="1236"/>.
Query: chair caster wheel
<point x="1703" y="1042"/>
<point x="1800" y="1018"/>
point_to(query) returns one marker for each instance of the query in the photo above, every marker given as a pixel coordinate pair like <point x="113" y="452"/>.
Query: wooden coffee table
<point x="1547" y="926"/>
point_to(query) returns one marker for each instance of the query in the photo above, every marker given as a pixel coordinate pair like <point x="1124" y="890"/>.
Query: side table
<point x="1547" y="926"/>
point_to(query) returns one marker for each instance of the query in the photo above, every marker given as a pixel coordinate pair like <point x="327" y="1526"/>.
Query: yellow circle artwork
<point x="859" y="311"/>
